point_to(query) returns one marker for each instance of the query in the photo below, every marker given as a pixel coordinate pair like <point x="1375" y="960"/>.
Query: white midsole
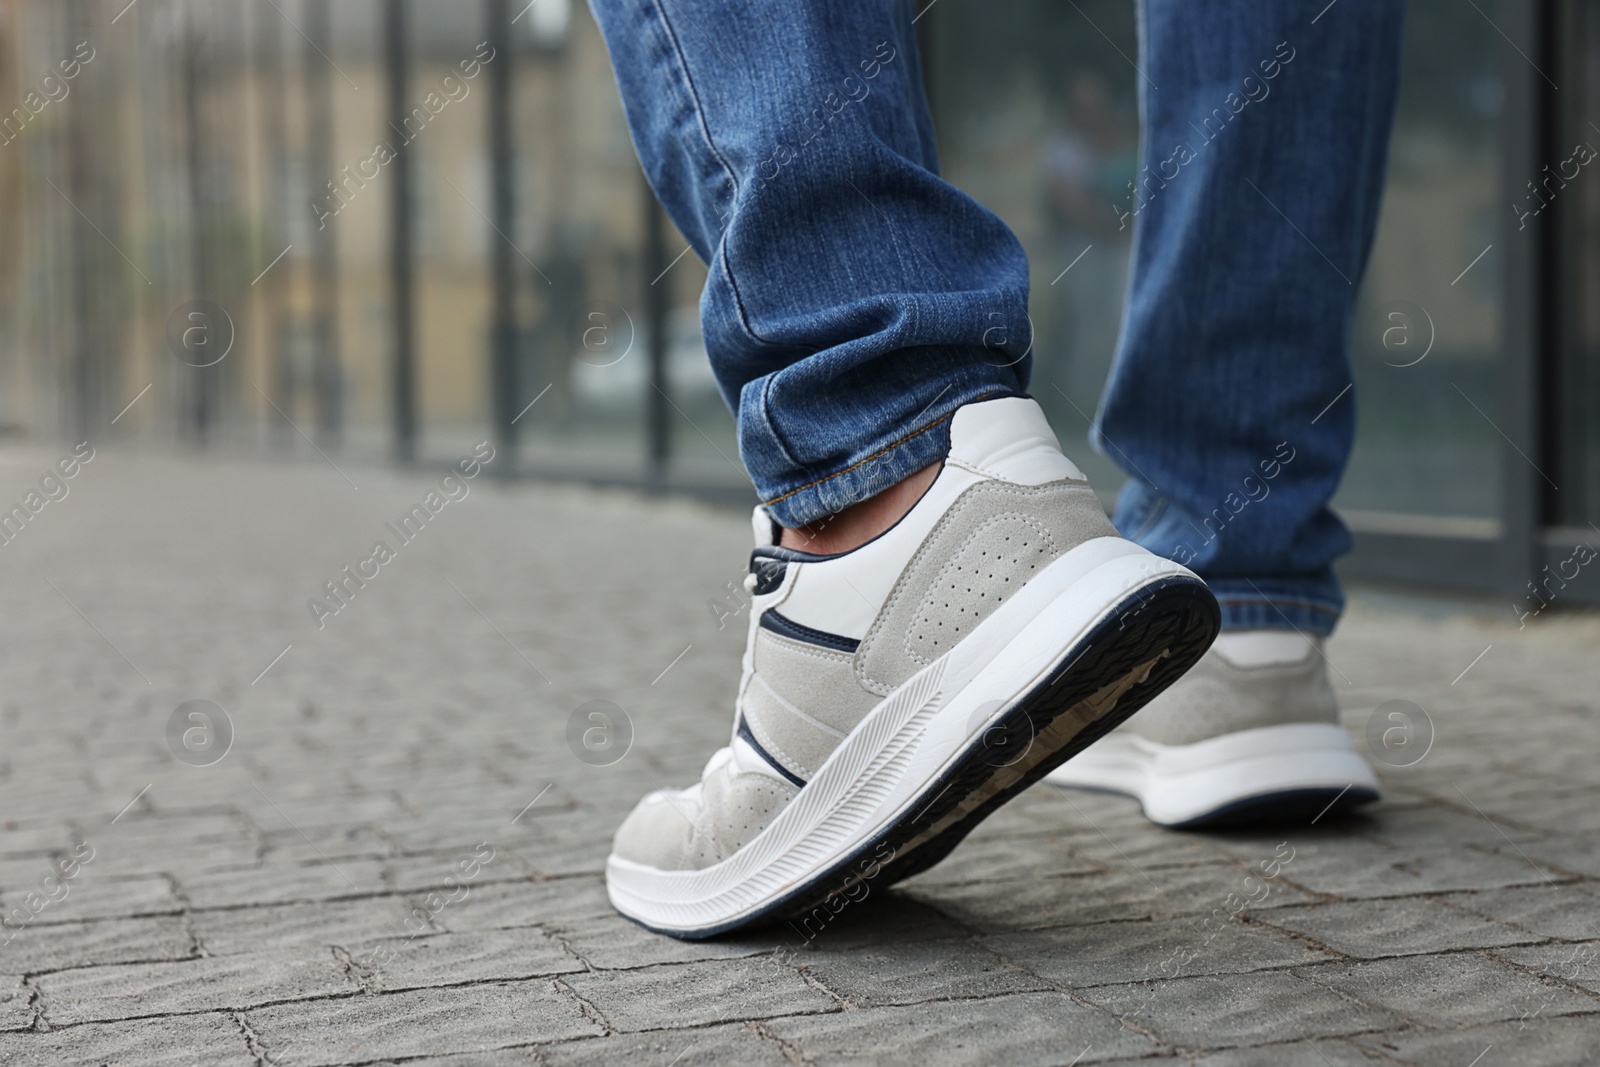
<point x="880" y="770"/>
<point x="1177" y="783"/>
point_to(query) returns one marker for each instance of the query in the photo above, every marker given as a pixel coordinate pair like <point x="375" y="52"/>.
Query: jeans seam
<point x="868" y="459"/>
<point x="687" y="80"/>
<point x="765" y="405"/>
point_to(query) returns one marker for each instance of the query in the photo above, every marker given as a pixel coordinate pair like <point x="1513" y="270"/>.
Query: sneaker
<point x="1250" y="736"/>
<point x="895" y="695"/>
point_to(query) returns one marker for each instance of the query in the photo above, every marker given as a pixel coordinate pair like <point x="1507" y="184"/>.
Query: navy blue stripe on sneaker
<point x="771" y="620"/>
<point x="750" y="739"/>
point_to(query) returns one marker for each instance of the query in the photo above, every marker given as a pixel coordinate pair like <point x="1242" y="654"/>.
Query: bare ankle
<point x="859" y="523"/>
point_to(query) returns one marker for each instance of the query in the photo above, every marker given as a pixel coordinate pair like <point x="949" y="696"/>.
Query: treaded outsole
<point x="1161" y="629"/>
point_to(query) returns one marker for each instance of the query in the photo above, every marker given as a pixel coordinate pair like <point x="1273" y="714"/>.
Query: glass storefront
<point x="203" y="156"/>
<point x="1037" y="112"/>
<point x="1573" y="391"/>
<point x="1037" y="115"/>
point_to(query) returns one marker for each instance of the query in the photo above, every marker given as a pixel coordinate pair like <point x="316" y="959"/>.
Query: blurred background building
<point x="210" y="237"/>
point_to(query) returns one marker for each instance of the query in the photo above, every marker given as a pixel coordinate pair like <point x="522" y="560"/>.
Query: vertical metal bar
<point x="331" y="191"/>
<point x="1521" y="143"/>
<point x="1579" y="31"/>
<point x="657" y="304"/>
<point x="194" y="159"/>
<point x="274" y="284"/>
<point x="81" y="263"/>
<point x="402" y="250"/>
<point x="503" y="356"/>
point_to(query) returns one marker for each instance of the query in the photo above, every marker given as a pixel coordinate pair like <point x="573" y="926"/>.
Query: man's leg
<point x="970" y="619"/>
<point x="855" y="300"/>
<point x="1229" y="405"/>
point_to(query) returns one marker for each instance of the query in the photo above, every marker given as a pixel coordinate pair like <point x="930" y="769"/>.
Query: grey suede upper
<point x="695" y="828"/>
<point x="992" y="540"/>
<point x="1218" y="697"/>
<point x="802" y="700"/>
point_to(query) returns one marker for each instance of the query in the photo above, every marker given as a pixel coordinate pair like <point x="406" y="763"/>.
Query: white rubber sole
<point x="1180" y="785"/>
<point x="884" y="771"/>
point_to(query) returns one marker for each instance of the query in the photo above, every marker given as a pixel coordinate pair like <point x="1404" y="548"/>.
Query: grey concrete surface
<point x="398" y="856"/>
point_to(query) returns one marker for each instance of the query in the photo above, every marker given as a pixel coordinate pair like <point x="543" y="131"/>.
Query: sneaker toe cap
<point x="660" y="830"/>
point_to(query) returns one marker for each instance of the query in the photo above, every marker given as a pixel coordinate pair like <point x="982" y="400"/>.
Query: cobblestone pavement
<point x="398" y="855"/>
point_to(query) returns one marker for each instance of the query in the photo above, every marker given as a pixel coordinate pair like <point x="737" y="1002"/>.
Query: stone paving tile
<point x="1571" y="853"/>
<point x="1404" y="926"/>
<point x="450" y="959"/>
<point x="177" y="844"/>
<point x="1150" y="848"/>
<point x="444" y="872"/>
<point x="1574" y="964"/>
<point x="1545" y="910"/>
<point x="323" y="843"/>
<point x="179" y="1041"/>
<point x="1397" y="873"/>
<point x="610" y="941"/>
<point x="520" y="1056"/>
<point x="1120" y="893"/>
<point x="988" y="857"/>
<point x="1325" y="1053"/>
<point x="90" y="896"/>
<point x="38" y="839"/>
<point x="568" y="845"/>
<point x="1451" y="989"/>
<point x="881" y="918"/>
<point x="424" y="1022"/>
<point x="43" y="948"/>
<point x="1551" y="1043"/>
<point x="16" y="1003"/>
<point x="1020" y="1030"/>
<point x="1423" y="826"/>
<point x="1033" y="903"/>
<point x="1112" y="953"/>
<point x="128" y="991"/>
<point x="236" y="930"/>
<point x="1247" y="1009"/>
<point x="281" y="883"/>
<point x="736" y="1043"/>
<point x="1219" y="891"/>
<point x="914" y="972"/>
<point x="1252" y="846"/>
<point x="310" y="812"/>
<point x="1564" y="813"/>
<point x="693" y="994"/>
<point x="556" y="901"/>
<point x="19" y="874"/>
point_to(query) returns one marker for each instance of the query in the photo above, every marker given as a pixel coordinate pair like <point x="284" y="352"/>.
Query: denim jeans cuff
<point x="890" y="455"/>
<point x="1247" y="606"/>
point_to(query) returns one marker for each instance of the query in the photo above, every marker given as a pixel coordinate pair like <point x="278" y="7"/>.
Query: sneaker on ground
<point x="1250" y="736"/>
<point x="895" y="695"/>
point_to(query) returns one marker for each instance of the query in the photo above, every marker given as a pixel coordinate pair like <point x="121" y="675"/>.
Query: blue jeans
<point x="855" y="300"/>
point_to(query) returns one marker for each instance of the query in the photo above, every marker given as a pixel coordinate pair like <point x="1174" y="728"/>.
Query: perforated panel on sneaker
<point x="991" y="564"/>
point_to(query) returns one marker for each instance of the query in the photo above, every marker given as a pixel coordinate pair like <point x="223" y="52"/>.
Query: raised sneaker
<point x="1250" y="736"/>
<point x="895" y="695"/>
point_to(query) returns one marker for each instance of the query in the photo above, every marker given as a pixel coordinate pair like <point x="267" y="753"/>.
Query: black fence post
<point x="503" y="210"/>
<point x="1523" y="357"/>
<point x="319" y="135"/>
<point x="657" y="303"/>
<point x="402" y="247"/>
